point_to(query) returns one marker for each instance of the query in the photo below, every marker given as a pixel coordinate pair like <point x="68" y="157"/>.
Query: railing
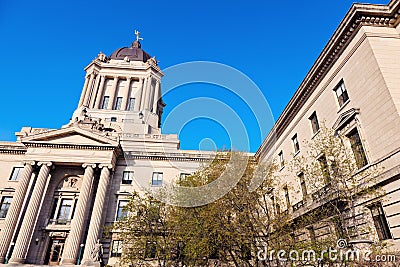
<point x="60" y="221"/>
<point x="322" y="193"/>
<point x="298" y="205"/>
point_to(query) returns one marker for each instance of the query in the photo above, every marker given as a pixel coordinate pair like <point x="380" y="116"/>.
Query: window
<point x="105" y="102"/>
<point x="116" y="250"/>
<point x="324" y="168"/>
<point x="311" y="233"/>
<point x="127" y="177"/>
<point x="182" y="176"/>
<point x="287" y="198"/>
<point x="121" y="212"/>
<point x="303" y="185"/>
<point x="16" y="173"/>
<point x="151" y="249"/>
<point x="341" y="93"/>
<point x="113" y="119"/>
<point x="118" y="103"/>
<point x="157" y="178"/>
<point x="5" y="205"/>
<point x="314" y="123"/>
<point x="381" y="225"/>
<point x="296" y="144"/>
<point x="64" y="211"/>
<point x="131" y="104"/>
<point x="276" y="205"/>
<point x="357" y="147"/>
<point x="281" y="159"/>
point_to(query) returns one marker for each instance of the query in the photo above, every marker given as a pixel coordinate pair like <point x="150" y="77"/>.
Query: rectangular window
<point x="127" y="177"/>
<point x="276" y="205"/>
<point x="16" y="173"/>
<point x="381" y="224"/>
<point x="157" y="178"/>
<point x="358" y="149"/>
<point x="314" y="123"/>
<point x="303" y="185"/>
<point x="341" y="93"/>
<point x="121" y="212"/>
<point x="151" y="249"/>
<point x="182" y="176"/>
<point x="281" y="159"/>
<point x="324" y="169"/>
<point x="287" y="197"/>
<point x="105" y="102"/>
<point x="296" y="144"/>
<point x="116" y="250"/>
<point x="64" y="211"/>
<point x="311" y="233"/>
<point x="131" y="104"/>
<point x="118" y="103"/>
<point x="5" y="205"/>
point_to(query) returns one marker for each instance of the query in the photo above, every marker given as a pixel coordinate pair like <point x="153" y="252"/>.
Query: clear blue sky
<point x="46" y="44"/>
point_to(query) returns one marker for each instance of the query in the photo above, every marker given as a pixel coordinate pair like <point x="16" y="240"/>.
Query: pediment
<point x="70" y="136"/>
<point x="345" y="118"/>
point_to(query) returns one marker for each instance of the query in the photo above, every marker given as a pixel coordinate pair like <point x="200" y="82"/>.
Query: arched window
<point x="65" y="200"/>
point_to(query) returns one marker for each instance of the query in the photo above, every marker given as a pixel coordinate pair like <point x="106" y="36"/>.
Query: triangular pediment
<point x="70" y="136"/>
<point x="345" y="118"/>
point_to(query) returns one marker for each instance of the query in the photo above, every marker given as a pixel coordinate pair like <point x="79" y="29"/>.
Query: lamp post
<point x="80" y="254"/>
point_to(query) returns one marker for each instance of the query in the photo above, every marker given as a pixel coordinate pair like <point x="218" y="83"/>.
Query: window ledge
<point x="343" y="106"/>
<point x="316" y="133"/>
<point x="295" y="154"/>
<point x="363" y="168"/>
<point x="282" y="168"/>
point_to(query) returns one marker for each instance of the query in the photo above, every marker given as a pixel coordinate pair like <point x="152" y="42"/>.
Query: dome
<point x="134" y="53"/>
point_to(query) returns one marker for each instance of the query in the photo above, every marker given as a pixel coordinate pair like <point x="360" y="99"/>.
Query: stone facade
<point x="67" y="184"/>
<point x="363" y="56"/>
<point x="59" y="187"/>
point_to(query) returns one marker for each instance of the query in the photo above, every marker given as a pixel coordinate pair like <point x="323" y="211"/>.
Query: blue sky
<point x="46" y="44"/>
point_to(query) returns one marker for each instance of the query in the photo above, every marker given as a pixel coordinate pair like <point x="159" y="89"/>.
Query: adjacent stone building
<point x="354" y="88"/>
<point x="59" y="187"/>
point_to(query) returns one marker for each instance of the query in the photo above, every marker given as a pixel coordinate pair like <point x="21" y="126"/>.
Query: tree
<point x="336" y="183"/>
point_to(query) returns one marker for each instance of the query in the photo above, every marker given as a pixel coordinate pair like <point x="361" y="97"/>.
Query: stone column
<point x="148" y="94"/>
<point x="11" y="220"/>
<point x="84" y="91"/>
<point x="144" y="91"/>
<point x="29" y="220"/>
<point x="139" y="94"/>
<point x="71" y="248"/>
<point x="99" y="95"/>
<point x="125" y="99"/>
<point x="157" y="95"/>
<point x="95" y="91"/>
<point x="113" y="93"/>
<point x="88" y="90"/>
<point x="95" y="220"/>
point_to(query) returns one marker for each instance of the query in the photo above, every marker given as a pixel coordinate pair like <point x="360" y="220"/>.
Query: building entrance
<point x="55" y="251"/>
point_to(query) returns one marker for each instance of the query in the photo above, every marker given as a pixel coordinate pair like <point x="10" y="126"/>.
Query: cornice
<point x="15" y="149"/>
<point x="358" y="16"/>
<point x="68" y="146"/>
<point x="163" y="156"/>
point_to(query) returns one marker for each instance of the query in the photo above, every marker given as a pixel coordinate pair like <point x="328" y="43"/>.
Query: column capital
<point x="85" y="165"/>
<point x="116" y="77"/>
<point x="45" y="163"/>
<point x="30" y="162"/>
<point x="109" y="166"/>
